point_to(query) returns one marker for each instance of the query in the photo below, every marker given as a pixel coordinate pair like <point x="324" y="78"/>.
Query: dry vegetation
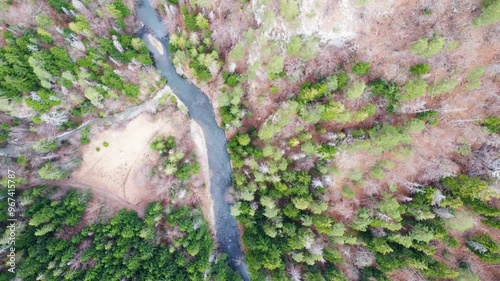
<point x="273" y="48"/>
<point x="384" y="40"/>
<point x="251" y="37"/>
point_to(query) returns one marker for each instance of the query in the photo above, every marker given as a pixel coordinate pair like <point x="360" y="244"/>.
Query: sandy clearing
<point x="123" y="167"/>
<point x="202" y="157"/>
<point x="121" y="172"/>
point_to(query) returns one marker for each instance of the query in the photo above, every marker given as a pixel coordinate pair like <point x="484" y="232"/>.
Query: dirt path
<point x="151" y="106"/>
<point x="102" y="193"/>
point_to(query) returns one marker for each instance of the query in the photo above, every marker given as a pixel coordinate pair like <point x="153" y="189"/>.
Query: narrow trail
<point x="103" y="193"/>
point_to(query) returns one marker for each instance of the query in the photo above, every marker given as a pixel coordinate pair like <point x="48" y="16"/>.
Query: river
<point x="202" y="112"/>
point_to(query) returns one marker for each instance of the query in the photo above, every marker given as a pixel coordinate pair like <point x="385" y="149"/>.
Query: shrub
<point x="485" y="248"/>
<point x="361" y="68"/>
<point x="189" y="19"/>
<point x="465" y="274"/>
<point x="430" y="116"/>
<point x="163" y="144"/>
<point x="414" y="88"/>
<point x="294" y="46"/>
<point x="309" y="92"/>
<point x="492" y="124"/>
<point x="489" y="15"/>
<point x="22" y="160"/>
<point x="428" y="47"/>
<point x="420" y="69"/>
<point x="230" y="79"/>
<point x="276" y="64"/>
<point x="48" y="172"/>
<point x="365" y="112"/>
<point x="464" y="149"/>
<point x="199" y="70"/>
<point x="59" y="5"/>
<point x="45" y="146"/>
<point x="465" y="187"/>
<point x="309" y="48"/>
<point x="85" y="135"/>
<point x="289" y="9"/>
<point x="441" y="87"/>
<point x="348" y="193"/>
<point x="4" y="133"/>
<point x="377" y="172"/>
<point x="356" y="90"/>
<point x="130" y="90"/>
<point x="43" y="100"/>
<point x="237" y="52"/>
<point x="416" y="125"/>
<point x="473" y="81"/>
<point x="461" y="222"/>
<point x="281" y="118"/>
<point x="476" y="73"/>
<point x="342" y="80"/>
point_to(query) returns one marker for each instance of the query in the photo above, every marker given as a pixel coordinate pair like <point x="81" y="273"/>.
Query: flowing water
<point x="200" y="110"/>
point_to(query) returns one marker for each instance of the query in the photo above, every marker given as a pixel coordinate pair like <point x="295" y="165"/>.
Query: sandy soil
<point x="155" y="43"/>
<point x="203" y="194"/>
<point x="121" y="173"/>
<point x="123" y="168"/>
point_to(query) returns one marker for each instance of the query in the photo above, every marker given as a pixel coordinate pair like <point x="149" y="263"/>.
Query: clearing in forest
<point x="120" y="161"/>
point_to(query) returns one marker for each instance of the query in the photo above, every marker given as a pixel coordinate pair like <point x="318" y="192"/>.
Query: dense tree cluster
<point x="281" y="170"/>
<point x="286" y="225"/>
<point x="195" y="47"/>
<point x="67" y="73"/>
<point x="177" y="162"/>
<point x="167" y="244"/>
<point x="280" y="188"/>
<point x="282" y="209"/>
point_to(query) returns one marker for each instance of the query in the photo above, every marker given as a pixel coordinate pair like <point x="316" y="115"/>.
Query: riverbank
<point x="156" y="44"/>
<point x="202" y="155"/>
<point x="201" y="111"/>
